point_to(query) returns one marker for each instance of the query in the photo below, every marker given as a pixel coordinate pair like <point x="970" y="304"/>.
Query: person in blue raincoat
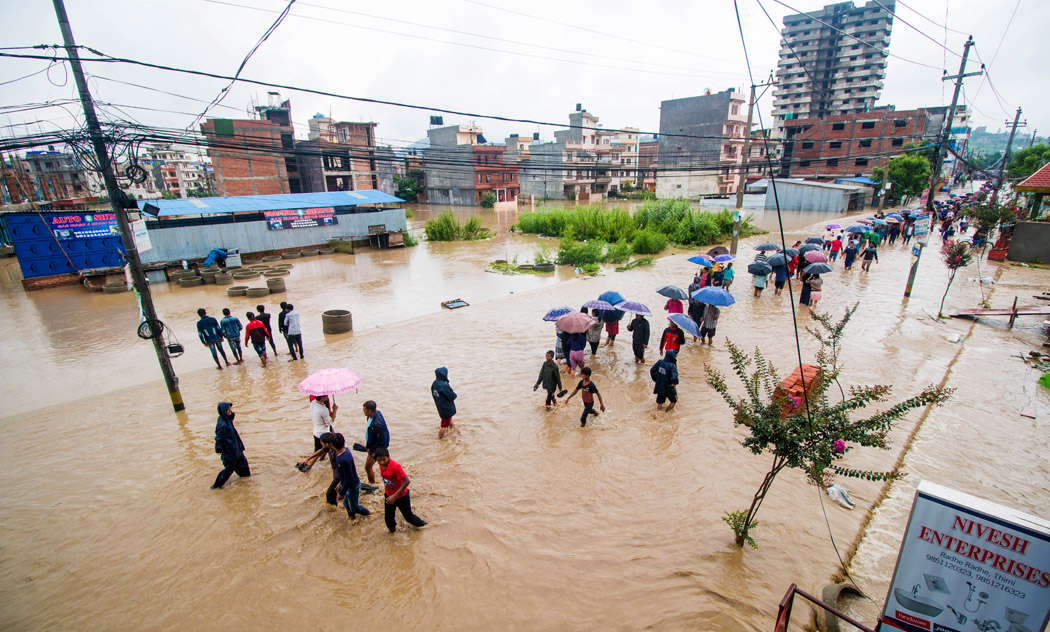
<point x="665" y="376"/>
<point x="444" y="399"/>
<point x="229" y="447"/>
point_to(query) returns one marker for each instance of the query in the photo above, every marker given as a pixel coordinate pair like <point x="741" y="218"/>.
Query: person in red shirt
<point x="396" y="482"/>
<point x="836" y="247"/>
<point x="672" y="338"/>
<point x="255" y="333"/>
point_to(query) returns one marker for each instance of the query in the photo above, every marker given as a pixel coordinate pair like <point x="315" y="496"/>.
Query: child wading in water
<point x="396" y="482"/>
<point x="550" y="378"/>
<point x="589" y="391"/>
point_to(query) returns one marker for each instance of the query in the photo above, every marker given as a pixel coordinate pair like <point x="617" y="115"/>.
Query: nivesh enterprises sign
<point x="84" y="225"/>
<point x="966" y="563"/>
<point x="300" y="218"/>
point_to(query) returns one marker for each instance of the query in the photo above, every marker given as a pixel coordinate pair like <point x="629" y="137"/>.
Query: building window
<point x="898" y="142"/>
<point x="835" y="144"/>
<point x="900" y="123"/>
<point x="833" y="162"/>
<point x="735" y="109"/>
<point x="861" y="162"/>
<point x="487" y="179"/>
<point x="807" y="145"/>
<point x="479" y="159"/>
<point x="804" y="163"/>
<point x="838" y="127"/>
<point x="865" y="143"/>
<point x="867" y="125"/>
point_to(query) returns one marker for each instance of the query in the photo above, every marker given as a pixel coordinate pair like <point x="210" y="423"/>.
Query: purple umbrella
<point x="832" y="226"/>
<point x="724" y="258"/>
<point x="632" y="307"/>
<point x="556" y="312"/>
<point x="603" y="305"/>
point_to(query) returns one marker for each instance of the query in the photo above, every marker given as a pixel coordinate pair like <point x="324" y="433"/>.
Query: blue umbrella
<point x="671" y="291"/>
<point x="768" y="246"/>
<point x="611" y="297"/>
<point x="777" y="260"/>
<point x="895" y="214"/>
<point x="700" y="261"/>
<point x="724" y="258"/>
<point x="713" y="296"/>
<point x="557" y="312"/>
<point x="687" y="324"/>
<point x="602" y="305"/>
<point x="878" y="221"/>
<point x="857" y="229"/>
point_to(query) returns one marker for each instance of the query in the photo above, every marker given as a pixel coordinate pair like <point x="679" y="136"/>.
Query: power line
<point x="996" y="54"/>
<point x="937" y="24"/>
<point x="32" y="74"/>
<point x="467" y="45"/>
<point x="917" y="30"/>
<point x="597" y="32"/>
<point x="265" y="36"/>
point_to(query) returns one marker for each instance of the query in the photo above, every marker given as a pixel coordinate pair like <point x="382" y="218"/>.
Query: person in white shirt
<point x="322" y="416"/>
<point x="294" y="331"/>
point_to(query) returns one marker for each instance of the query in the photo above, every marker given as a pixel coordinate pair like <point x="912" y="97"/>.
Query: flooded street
<point x="108" y="522"/>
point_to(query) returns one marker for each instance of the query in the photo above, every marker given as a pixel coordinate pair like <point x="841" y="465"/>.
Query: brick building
<point x="701" y="144"/>
<point x="648" y="159"/>
<point x="849" y="145"/>
<point x="339" y="156"/>
<point x="254" y="157"/>
<point x="493" y="175"/>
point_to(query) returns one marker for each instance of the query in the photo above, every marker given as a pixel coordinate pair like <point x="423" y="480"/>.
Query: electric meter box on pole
<point x="969" y="564"/>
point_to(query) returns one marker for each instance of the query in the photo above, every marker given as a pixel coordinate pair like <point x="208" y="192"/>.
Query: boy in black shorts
<point x="589" y="391"/>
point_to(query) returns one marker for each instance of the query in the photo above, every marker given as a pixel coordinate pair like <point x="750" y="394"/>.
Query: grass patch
<point x="643" y="262"/>
<point x="656" y="224"/>
<point x="444" y="227"/>
<point x="513" y="268"/>
<point x="410" y="240"/>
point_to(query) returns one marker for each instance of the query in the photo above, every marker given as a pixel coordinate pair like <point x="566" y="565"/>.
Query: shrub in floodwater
<point x="619" y="252"/>
<point x="488" y="200"/>
<point x="580" y="253"/>
<point x="803" y="435"/>
<point x="648" y="242"/>
<point x="410" y="240"/>
<point x="444" y="227"/>
<point x="543" y="255"/>
<point x="473" y="230"/>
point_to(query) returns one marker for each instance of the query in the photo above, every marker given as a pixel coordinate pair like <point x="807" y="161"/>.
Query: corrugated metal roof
<point x="249" y="203"/>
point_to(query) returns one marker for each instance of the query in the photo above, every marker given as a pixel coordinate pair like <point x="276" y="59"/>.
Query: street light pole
<point x="116" y="199"/>
<point x="942" y="146"/>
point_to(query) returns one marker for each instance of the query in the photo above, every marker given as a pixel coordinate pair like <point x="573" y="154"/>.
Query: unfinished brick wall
<point x="251" y="162"/>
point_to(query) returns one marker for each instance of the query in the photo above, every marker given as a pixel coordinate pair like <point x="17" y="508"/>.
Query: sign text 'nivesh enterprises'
<point x="967" y="564"/>
<point x="300" y="218"/>
<point x="84" y="225"/>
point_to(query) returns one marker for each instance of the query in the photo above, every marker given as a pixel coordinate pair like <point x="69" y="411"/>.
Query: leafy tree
<point x="808" y="434"/>
<point x="987" y="159"/>
<point x="921" y="148"/>
<point x="956" y="254"/>
<point x="488" y="200"/>
<point x="406" y="188"/>
<point x="1027" y="161"/>
<point x="909" y="173"/>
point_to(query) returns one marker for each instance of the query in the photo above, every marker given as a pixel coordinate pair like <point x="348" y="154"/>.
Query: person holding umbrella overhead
<point x="759" y="270"/>
<point x="639" y="328"/>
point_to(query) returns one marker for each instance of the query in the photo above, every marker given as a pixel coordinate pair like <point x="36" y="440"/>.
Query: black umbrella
<point x="808" y="247"/>
<point x="817" y="268"/>
<point x="789" y="253"/>
<point x="815" y="240"/>
<point x="768" y="246"/>
<point x="718" y="250"/>
<point x="759" y="268"/>
<point x="776" y="260"/>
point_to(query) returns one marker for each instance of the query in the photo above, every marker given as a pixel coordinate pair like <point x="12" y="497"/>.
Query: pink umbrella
<point x="815" y="256"/>
<point x="330" y="382"/>
<point x="574" y="322"/>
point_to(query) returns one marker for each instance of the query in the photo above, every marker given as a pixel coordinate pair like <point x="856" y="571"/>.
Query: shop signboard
<point x="969" y="564"/>
<point x="923" y="224"/>
<point x="83" y="225"/>
<point x="141" y="235"/>
<point x="300" y="218"/>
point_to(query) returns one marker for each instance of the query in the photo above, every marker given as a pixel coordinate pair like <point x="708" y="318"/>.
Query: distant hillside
<point x="981" y="140"/>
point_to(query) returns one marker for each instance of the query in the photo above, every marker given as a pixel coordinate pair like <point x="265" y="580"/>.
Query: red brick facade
<point x="251" y="161"/>
<point x="848" y="145"/>
<point x="492" y="174"/>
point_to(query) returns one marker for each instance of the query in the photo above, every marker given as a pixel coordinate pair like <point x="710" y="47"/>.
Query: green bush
<point x="577" y="253"/>
<point x="488" y="200"/>
<point x="410" y="240"/>
<point x="648" y="242"/>
<point x="444" y="227"/>
<point x="473" y="230"/>
<point x="619" y="252"/>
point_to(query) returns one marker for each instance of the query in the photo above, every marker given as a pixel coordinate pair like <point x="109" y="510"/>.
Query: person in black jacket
<point x="229" y="446"/>
<point x="639" y="328"/>
<point x="282" y="328"/>
<point x="444" y="399"/>
<point x="264" y="316"/>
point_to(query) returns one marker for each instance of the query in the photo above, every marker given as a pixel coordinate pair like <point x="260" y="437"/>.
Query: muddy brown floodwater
<point x="535" y="523"/>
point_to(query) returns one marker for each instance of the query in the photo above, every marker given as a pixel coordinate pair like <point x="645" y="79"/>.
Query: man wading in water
<point x="376" y="436"/>
<point x="444" y="399"/>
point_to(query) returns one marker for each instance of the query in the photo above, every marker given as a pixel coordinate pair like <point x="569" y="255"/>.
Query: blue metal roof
<point x="860" y="180"/>
<point x="250" y="203"/>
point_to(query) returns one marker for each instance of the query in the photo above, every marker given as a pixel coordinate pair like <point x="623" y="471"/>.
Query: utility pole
<point x="1006" y="156"/>
<point x="1031" y="141"/>
<point x="116" y="201"/>
<point x="744" y="159"/>
<point x="942" y="146"/>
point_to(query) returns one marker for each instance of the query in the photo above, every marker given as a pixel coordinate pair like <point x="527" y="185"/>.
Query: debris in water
<point x="840" y="495"/>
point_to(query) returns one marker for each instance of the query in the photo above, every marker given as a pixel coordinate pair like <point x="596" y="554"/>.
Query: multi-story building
<point x="757" y="160"/>
<point x="179" y="173"/>
<point x="584" y="161"/>
<point x="832" y="61"/>
<point x="648" y="160"/>
<point x="958" y="140"/>
<point x="701" y="144"/>
<point x="254" y="157"/>
<point x="460" y="168"/>
<point x="339" y="156"/>
<point x="851" y="145"/>
<point x="57" y="175"/>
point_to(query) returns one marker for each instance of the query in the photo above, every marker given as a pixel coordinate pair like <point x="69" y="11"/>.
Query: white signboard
<point x="968" y="564"/>
<point x="923" y="224"/>
<point x="141" y="235"/>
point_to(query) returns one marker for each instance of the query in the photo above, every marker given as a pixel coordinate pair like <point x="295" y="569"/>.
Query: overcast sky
<point x="531" y="60"/>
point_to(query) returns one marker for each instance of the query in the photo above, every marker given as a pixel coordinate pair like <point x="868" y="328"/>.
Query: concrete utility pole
<point x="1006" y="155"/>
<point x="116" y="198"/>
<point x="942" y="146"/>
<point x="1031" y="141"/>
<point x="742" y="176"/>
